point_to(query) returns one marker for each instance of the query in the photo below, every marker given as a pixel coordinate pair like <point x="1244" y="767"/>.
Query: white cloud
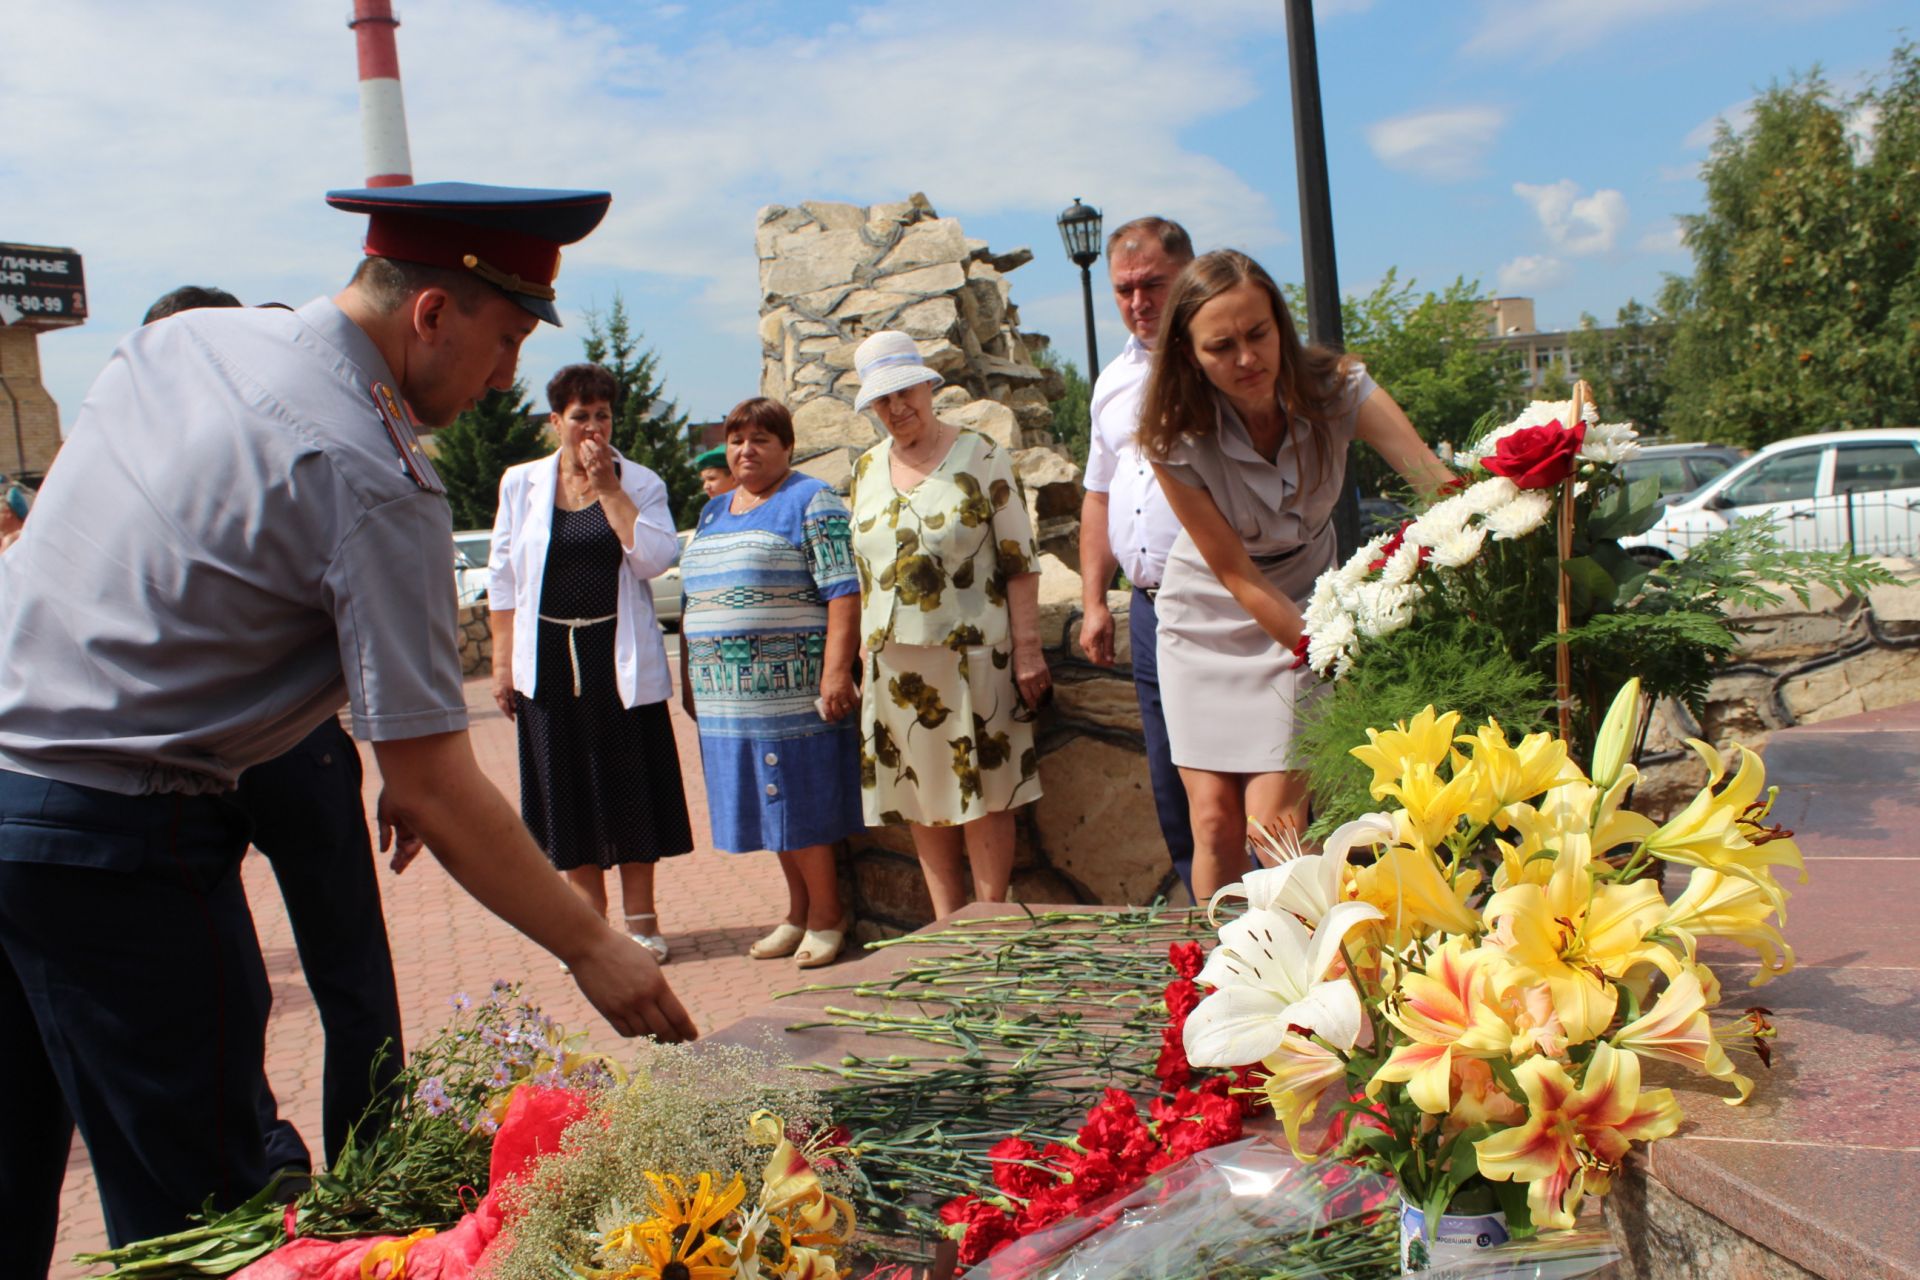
<point x="1530" y="274"/>
<point x="1446" y="144"/>
<point x="1668" y="239"/>
<point x="1574" y="223"/>
<point x="1547" y="30"/>
<point x="1736" y="117"/>
<point x="220" y="183"/>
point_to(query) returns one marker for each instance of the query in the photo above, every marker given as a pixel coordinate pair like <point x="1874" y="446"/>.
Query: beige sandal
<point x="822" y="947"/>
<point x="784" y="940"/>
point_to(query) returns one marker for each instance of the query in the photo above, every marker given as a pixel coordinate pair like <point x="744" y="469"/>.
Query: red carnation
<point x="1172" y="1068"/>
<point x="1387" y="548"/>
<point x="989" y="1229"/>
<point x="1187" y="958"/>
<point x="1046" y="1208"/>
<point x="1014" y="1168"/>
<point x="1115" y="1128"/>
<point x="1182" y="996"/>
<point x="1537" y="457"/>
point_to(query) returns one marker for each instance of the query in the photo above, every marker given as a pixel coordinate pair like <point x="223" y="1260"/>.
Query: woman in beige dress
<point x="949" y="620"/>
<point x="1248" y="431"/>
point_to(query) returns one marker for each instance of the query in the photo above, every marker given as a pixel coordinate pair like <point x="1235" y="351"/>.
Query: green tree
<point x="1626" y="365"/>
<point x="1073" y="411"/>
<point x="472" y="452"/>
<point x="1803" y="310"/>
<point x="647" y="427"/>
<point x="1425" y="349"/>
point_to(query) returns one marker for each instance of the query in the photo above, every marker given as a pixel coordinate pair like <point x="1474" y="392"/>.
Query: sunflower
<point x="677" y="1242"/>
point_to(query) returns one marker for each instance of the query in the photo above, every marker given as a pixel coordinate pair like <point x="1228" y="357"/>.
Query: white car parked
<point x="1828" y="492"/>
<point x="471" y="548"/>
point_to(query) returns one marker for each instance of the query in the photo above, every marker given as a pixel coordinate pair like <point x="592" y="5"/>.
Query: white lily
<point x="1269" y="973"/>
<point x="1303" y="884"/>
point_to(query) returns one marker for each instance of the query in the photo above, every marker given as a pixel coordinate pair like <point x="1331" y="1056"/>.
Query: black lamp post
<point x="1080" y="232"/>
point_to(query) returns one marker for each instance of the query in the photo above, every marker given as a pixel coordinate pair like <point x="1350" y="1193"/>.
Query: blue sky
<point x="1541" y="148"/>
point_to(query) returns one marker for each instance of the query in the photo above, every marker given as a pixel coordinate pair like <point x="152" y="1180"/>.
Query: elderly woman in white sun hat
<point x="949" y="618"/>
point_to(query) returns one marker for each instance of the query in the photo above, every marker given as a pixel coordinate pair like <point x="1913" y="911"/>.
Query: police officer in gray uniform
<point x="242" y="533"/>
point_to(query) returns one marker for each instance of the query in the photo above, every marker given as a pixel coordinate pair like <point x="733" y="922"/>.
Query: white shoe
<point x="654" y="942"/>
<point x="783" y="940"/>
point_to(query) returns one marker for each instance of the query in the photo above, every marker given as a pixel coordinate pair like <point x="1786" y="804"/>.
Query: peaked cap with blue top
<point x="508" y="236"/>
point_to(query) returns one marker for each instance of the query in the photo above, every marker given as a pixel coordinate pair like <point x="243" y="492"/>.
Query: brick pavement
<point x="713" y="905"/>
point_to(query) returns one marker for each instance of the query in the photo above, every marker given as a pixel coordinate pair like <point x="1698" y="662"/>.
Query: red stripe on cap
<point x="437" y="242"/>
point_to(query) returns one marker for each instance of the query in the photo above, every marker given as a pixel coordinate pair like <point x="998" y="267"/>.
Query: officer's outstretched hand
<point x="624" y="982"/>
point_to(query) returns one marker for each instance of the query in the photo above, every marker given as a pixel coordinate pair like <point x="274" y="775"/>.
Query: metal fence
<point x="1883" y="523"/>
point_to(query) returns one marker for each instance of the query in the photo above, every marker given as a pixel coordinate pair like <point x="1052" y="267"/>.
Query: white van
<point x="1828" y="492"/>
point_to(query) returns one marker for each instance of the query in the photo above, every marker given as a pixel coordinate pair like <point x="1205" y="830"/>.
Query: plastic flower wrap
<point x="1486" y="988"/>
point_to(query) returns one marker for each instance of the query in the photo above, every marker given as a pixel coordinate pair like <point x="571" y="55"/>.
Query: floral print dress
<point x="940" y="740"/>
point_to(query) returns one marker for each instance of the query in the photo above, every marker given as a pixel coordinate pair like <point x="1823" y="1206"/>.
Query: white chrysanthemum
<point x="1401" y="565"/>
<point x="1439" y="521"/>
<point x="1322" y="607"/>
<point x="1329" y="645"/>
<point x="1609" y="442"/>
<point x="1384" y="609"/>
<point x="1351" y="574"/>
<point x="1527" y="512"/>
<point x="1489" y="495"/>
<point x="1459" y="547"/>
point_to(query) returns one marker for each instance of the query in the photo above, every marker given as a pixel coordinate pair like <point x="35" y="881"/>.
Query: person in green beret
<point x="712" y="466"/>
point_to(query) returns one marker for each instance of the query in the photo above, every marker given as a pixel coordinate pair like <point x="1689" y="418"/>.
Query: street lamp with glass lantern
<point x="1080" y="233"/>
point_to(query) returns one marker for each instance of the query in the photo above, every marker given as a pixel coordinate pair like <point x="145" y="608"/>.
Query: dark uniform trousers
<point x="131" y="1001"/>
<point x="1169" y="793"/>
<point x="309" y="820"/>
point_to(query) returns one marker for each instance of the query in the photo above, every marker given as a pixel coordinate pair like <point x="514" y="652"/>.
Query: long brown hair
<point x="1180" y="401"/>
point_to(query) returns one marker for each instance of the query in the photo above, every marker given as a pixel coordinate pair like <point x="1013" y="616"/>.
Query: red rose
<point x="1187" y="958"/>
<point x="1537" y="457"/>
<point x="1014" y="1171"/>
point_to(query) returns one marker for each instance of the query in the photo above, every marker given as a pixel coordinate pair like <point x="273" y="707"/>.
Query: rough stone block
<point x="934" y="318"/>
<point x="835" y="467"/>
<point x="897" y="212"/>
<point x="944" y="277"/>
<point x="925" y="244"/>
<point x="1097" y="823"/>
<point x="1014" y="374"/>
<point x="806" y="262"/>
<point x="949" y="398"/>
<point x="825" y="421"/>
<point x="989" y="417"/>
<point x="1044" y="468"/>
<point x="835" y="216"/>
<point x="772" y="327"/>
<point x="1098" y="698"/>
<point x="862" y="303"/>
<point x="1012" y="259"/>
<point x="888" y="887"/>
<point x="1030" y="405"/>
<point x="1897" y="608"/>
<point x="942" y="356"/>
<point x="1043" y="885"/>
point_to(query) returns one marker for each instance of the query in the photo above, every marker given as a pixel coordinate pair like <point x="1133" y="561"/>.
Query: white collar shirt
<point x="1141" y="526"/>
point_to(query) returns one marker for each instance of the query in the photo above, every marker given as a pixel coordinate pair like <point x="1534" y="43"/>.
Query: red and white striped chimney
<point x="383" y="114"/>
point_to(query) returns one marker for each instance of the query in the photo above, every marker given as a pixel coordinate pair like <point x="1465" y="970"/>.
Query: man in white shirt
<point x="1125" y="522"/>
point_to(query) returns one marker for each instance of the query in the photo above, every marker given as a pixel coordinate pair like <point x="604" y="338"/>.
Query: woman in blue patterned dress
<point x="771" y="623"/>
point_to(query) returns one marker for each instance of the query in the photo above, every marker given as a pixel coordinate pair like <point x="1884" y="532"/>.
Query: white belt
<point x="573" y="625"/>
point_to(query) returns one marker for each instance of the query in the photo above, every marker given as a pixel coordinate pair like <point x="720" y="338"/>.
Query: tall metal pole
<point x="1316" y="224"/>
<point x="1093" y="350"/>
<point x="383" y="112"/>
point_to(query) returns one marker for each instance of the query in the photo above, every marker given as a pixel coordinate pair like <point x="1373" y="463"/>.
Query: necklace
<point x="751" y="500"/>
<point x="917" y="459"/>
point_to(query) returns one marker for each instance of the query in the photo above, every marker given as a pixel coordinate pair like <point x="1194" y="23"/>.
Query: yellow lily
<point x="1391" y="753"/>
<point x="1677" y="1030"/>
<point x="1574" y="933"/>
<point x="1574" y="1138"/>
<point x="1445" y="1010"/>
<point x="1298" y="1073"/>
<point x="1717" y="905"/>
<point x="1433" y="806"/>
<point x="1412" y="891"/>
<point x="1478" y="1099"/>
<point x="1727" y="831"/>
<point x="1615" y="740"/>
<point x="1507" y="774"/>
